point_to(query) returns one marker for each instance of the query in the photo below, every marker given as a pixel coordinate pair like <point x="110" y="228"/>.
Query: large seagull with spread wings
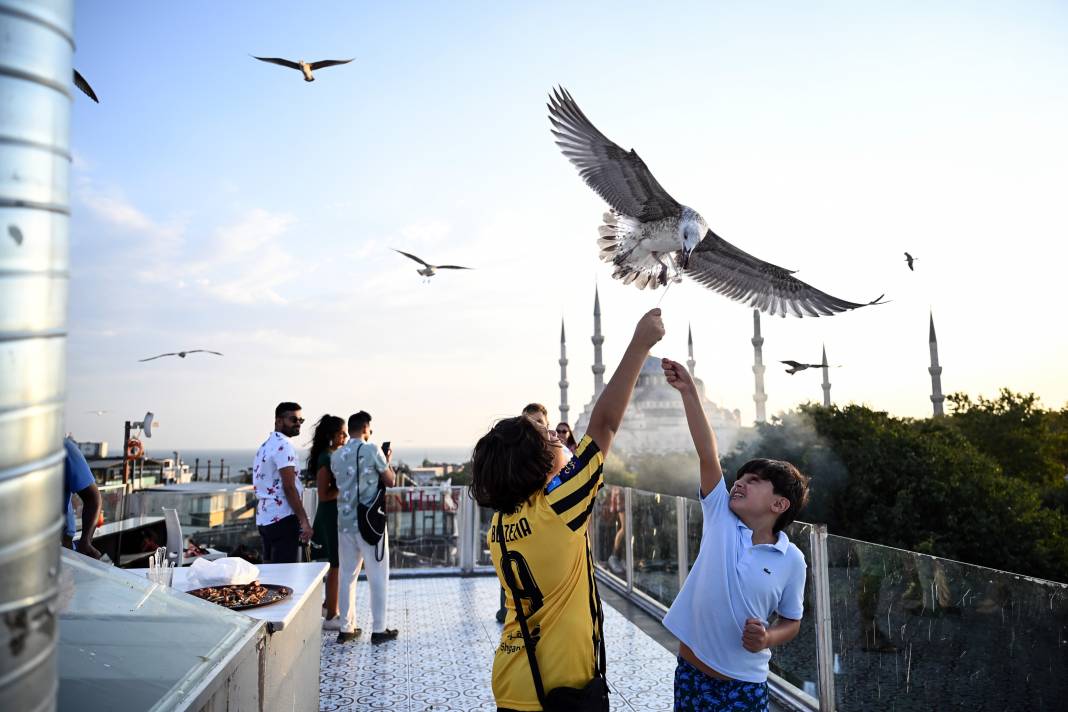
<point x="652" y="239"/>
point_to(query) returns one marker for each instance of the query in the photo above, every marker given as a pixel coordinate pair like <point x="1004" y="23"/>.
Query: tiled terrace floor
<point x="443" y="657"/>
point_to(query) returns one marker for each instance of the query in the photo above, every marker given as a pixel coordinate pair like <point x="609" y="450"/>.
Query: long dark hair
<point x="325" y="430"/>
<point x="570" y="440"/>
<point x="509" y="464"/>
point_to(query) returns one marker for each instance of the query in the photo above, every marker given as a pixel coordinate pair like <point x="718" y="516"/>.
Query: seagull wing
<point x="720" y="266"/>
<point x="328" y="63"/>
<point x="620" y="177"/>
<point x="410" y="256"/>
<point x="153" y="358"/>
<point x="79" y="81"/>
<point x="279" y="61"/>
<point x="203" y="351"/>
<point x="792" y="364"/>
<point x="452" y="267"/>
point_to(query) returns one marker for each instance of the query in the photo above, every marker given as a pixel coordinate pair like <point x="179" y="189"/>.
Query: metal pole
<point x="628" y="538"/>
<point x="126" y="453"/>
<point x="36" y="44"/>
<point x="682" y="538"/>
<point x="821" y="590"/>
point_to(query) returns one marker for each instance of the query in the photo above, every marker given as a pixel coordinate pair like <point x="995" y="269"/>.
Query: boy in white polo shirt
<point x="746" y="570"/>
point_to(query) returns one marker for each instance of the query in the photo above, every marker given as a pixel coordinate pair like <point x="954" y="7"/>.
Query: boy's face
<point x="752" y="497"/>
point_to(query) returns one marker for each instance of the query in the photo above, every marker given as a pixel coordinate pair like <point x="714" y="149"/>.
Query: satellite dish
<point x="146" y="424"/>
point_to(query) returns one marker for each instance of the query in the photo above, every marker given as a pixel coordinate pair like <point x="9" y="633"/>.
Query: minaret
<point x="564" y="408"/>
<point x="690" y="363"/>
<point x="759" y="397"/>
<point x="826" y="380"/>
<point x="598" y="366"/>
<point x="936" y="373"/>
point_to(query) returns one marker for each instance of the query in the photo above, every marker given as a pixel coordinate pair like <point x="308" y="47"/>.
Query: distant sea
<point x="240" y="458"/>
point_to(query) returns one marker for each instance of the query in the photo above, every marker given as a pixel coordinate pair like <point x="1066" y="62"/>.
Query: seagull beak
<point x="686" y="258"/>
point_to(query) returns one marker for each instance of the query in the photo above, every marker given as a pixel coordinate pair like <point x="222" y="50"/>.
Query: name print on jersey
<point x="512" y="532"/>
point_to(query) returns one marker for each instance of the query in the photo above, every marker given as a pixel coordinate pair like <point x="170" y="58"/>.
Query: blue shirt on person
<point x="732" y="580"/>
<point x="76" y="477"/>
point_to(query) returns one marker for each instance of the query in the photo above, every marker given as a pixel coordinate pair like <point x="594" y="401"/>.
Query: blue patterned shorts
<point x="697" y="692"/>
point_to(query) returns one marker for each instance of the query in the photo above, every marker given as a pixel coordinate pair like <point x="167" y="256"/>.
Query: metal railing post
<point x="821" y="590"/>
<point x="682" y="522"/>
<point x="628" y="538"/>
<point x="466" y="542"/>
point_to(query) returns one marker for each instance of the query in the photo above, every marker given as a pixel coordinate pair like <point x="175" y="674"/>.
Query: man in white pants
<point x="359" y="467"/>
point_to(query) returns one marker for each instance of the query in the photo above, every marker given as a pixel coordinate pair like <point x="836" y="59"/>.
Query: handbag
<point x="371" y="518"/>
<point x="593" y="697"/>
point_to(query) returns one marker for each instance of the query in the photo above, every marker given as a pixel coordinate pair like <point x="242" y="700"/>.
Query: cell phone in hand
<point x="386" y="447"/>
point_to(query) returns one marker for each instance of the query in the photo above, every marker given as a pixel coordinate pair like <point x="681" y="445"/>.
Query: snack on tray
<point x="250" y="594"/>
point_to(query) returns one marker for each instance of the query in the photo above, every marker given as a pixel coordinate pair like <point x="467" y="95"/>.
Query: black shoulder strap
<point x="528" y="642"/>
<point x="596" y="612"/>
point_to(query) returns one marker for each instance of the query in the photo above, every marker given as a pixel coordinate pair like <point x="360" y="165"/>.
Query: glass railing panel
<point x="423" y="526"/>
<point x="918" y="632"/>
<point x="606" y="531"/>
<point x="796" y="661"/>
<point x="216" y="515"/>
<point x="655" y="545"/>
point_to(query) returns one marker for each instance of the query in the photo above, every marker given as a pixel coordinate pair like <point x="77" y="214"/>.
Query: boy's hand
<point x="677" y="376"/>
<point x="754" y="636"/>
<point x="650" y="329"/>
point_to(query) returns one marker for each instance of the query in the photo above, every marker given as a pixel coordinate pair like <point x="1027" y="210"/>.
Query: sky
<point x="222" y="203"/>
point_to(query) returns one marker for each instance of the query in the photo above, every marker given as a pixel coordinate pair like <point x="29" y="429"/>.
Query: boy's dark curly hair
<point x="786" y="480"/>
<point x="510" y="464"/>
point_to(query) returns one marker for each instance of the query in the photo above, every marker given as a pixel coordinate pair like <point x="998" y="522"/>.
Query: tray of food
<point x="238" y="597"/>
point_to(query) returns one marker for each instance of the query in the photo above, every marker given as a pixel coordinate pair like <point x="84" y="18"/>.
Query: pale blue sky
<point x="219" y="202"/>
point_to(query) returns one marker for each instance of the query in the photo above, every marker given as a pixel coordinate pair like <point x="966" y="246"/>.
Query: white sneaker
<point x="332" y="623"/>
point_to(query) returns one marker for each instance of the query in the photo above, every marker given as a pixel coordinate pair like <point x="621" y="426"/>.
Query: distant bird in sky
<point x="910" y="259"/>
<point x="794" y="366"/>
<point x="180" y="354"/>
<point x="79" y="81"/>
<point x="646" y="226"/>
<point x="96" y="412"/>
<point x="15" y="233"/>
<point x="306" y="68"/>
<point x="428" y="269"/>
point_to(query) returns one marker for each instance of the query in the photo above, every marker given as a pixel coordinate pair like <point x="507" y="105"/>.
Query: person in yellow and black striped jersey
<point x="545" y="495"/>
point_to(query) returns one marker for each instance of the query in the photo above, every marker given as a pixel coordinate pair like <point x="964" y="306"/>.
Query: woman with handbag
<point x="551" y="655"/>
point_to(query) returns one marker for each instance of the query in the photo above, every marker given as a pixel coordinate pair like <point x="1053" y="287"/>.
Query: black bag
<point x="593" y="697"/>
<point x="371" y="518"/>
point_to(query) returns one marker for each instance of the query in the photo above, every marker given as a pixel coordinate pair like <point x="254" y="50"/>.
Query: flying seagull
<point x="306" y="68"/>
<point x="910" y="259"/>
<point x="428" y="269"/>
<point x="79" y="81"/>
<point x="180" y="354"/>
<point x="646" y="225"/>
<point x="795" y="366"/>
<point x="96" y="412"/>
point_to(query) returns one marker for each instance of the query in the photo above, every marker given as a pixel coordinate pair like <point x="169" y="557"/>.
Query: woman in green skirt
<point x="330" y="434"/>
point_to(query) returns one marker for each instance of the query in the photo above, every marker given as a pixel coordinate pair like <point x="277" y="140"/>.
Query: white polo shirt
<point x="733" y="580"/>
<point x="275" y="453"/>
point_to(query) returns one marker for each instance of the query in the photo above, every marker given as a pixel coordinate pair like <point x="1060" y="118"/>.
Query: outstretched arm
<point x="704" y="439"/>
<point x="608" y="412"/>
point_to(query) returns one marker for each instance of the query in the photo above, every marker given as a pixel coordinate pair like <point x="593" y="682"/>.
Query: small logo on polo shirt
<point x="767" y="570"/>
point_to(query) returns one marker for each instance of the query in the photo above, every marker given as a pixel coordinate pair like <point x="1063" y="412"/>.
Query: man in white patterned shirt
<point x="280" y="515"/>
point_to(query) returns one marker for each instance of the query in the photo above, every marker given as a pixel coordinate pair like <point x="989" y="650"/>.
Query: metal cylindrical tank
<point x="36" y="46"/>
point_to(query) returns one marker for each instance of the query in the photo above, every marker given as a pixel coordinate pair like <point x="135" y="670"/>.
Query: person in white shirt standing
<point x="361" y="468"/>
<point x="280" y="515"/>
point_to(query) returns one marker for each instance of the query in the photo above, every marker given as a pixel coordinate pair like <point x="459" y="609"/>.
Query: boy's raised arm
<point x="608" y="412"/>
<point x="701" y="432"/>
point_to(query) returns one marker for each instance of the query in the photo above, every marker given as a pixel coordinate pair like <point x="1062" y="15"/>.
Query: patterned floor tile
<point x="443" y="657"/>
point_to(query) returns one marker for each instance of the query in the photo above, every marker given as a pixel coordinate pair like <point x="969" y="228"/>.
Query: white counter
<point x="290" y="663"/>
<point x="302" y="578"/>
